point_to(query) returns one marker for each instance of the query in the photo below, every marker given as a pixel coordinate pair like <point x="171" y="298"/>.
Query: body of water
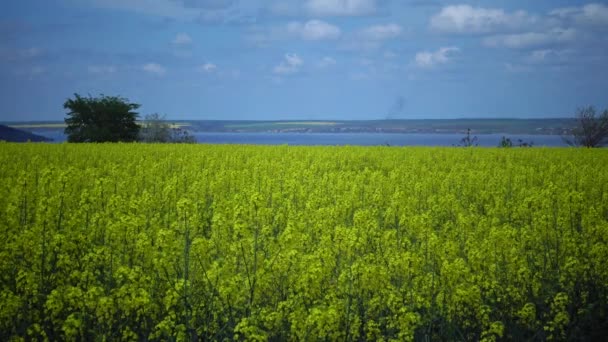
<point x="355" y="139"/>
<point x="368" y="139"/>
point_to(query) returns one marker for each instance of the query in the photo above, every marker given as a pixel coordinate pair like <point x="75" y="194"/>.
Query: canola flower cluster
<point x="139" y="242"/>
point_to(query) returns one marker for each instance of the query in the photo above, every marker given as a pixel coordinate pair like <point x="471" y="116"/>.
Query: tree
<point x="180" y="135"/>
<point x="101" y="119"/>
<point x="591" y="130"/>
<point x="154" y="128"/>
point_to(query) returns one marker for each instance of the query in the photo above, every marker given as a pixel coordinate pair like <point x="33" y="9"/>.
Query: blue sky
<point x="307" y="59"/>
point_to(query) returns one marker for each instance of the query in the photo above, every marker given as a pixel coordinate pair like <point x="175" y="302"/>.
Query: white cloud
<point x="531" y="39"/>
<point x="154" y="68"/>
<point x="326" y="62"/>
<point x="381" y="32"/>
<point x="290" y="65"/>
<point x="102" y="69"/>
<point x="314" y="30"/>
<point x="564" y="12"/>
<point x="207" y="68"/>
<point x="428" y="59"/>
<point x="590" y="14"/>
<point x="595" y="13"/>
<point x="467" y="19"/>
<point x="311" y="30"/>
<point x="341" y="7"/>
<point x="546" y="59"/>
<point x="182" y="39"/>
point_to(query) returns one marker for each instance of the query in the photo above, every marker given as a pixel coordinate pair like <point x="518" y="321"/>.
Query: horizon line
<point x="328" y="120"/>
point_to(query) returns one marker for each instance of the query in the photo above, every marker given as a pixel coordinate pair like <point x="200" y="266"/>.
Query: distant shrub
<point x="155" y="129"/>
<point x="467" y="140"/>
<point x="591" y="130"/>
<point x="507" y="142"/>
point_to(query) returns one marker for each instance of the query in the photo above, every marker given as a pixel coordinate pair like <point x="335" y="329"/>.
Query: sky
<point x="306" y="59"/>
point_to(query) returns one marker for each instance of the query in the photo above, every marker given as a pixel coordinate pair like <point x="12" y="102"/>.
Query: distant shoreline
<point x="397" y="126"/>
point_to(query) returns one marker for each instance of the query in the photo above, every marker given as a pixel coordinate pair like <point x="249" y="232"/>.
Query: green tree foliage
<point x="591" y="129"/>
<point x="101" y="119"/>
<point x="175" y="243"/>
<point x="154" y="129"/>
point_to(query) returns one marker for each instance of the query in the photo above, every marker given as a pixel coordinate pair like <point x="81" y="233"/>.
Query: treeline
<point x="113" y="119"/>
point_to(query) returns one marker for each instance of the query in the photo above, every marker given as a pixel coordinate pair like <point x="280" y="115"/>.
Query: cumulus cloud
<point x="341" y="7"/>
<point x="182" y="39"/>
<point x="207" y="68"/>
<point x="290" y="65"/>
<point x="154" y="68"/>
<point x="382" y="32"/>
<point x="429" y="59"/>
<point x="314" y="30"/>
<point x="531" y="39"/>
<point x="590" y="14"/>
<point x="467" y="19"/>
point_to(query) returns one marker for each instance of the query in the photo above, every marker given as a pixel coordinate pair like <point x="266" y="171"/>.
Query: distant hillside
<point x="477" y="126"/>
<point x="555" y="126"/>
<point x="17" y="135"/>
